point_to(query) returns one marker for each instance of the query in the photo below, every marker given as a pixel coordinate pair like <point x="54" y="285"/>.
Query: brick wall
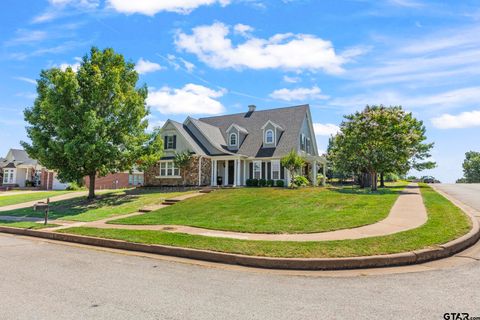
<point x="46" y="177"/>
<point x="112" y="181"/>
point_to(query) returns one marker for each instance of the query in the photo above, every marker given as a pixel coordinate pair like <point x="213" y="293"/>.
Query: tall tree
<point x="93" y="121"/>
<point x="471" y="167"/>
<point x="380" y="140"/>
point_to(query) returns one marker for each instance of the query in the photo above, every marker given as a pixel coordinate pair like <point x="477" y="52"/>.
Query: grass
<point x="445" y="223"/>
<point x="277" y="210"/>
<point x="106" y="205"/>
<point x="6" y="200"/>
<point x="26" y="224"/>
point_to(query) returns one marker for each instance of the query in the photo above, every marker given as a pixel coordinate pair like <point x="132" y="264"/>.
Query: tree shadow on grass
<point x="77" y="206"/>
<point x="356" y="190"/>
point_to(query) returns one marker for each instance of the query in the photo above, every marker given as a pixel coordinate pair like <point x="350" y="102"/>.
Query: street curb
<point x="389" y="260"/>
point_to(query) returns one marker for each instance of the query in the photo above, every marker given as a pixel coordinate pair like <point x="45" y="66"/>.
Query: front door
<point x="231" y="172"/>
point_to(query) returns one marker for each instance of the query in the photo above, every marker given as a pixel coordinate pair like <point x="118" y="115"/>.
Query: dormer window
<point x="233" y="139"/>
<point x="269" y="136"/>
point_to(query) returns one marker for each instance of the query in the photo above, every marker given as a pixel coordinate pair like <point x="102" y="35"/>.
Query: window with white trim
<point x="275" y="169"/>
<point x="233" y="139"/>
<point x="269" y="136"/>
<point x="169" y="142"/>
<point x="168" y="169"/>
<point x="257" y="169"/>
<point x="8" y="175"/>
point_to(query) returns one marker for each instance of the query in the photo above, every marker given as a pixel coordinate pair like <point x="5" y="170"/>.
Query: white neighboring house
<point x="19" y="170"/>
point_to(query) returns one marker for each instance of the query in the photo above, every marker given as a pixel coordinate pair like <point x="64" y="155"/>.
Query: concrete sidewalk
<point x="29" y="204"/>
<point x="407" y="213"/>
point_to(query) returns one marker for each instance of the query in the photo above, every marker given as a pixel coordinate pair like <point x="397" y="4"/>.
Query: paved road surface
<point x="465" y="192"/>
<point x="45" y="280"/>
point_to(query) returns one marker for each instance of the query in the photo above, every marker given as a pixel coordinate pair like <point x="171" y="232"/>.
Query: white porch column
<point x="225" y="173"/>
<point x="237" y="172"/>
<point x="215" y="172"/>
<point x="211" y="171"/>
<point x="287" y="176"/>
<point x="314" y="173"/>
<point x="200" y="171"/>
<point x="324" y="179"/>
<point x="244" y="172"/>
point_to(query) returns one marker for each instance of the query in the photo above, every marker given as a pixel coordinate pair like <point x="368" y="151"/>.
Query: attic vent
<point x="251" y="108"/>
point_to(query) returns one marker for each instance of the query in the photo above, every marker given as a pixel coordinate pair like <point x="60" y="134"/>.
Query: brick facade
<point x="152" y="174"/>
<point x="46" y="180"/>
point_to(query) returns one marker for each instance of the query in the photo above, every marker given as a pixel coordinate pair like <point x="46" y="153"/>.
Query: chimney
<point x="251" y="108"/>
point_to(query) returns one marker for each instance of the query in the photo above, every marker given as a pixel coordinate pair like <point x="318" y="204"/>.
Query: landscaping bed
<point x="277" y="210"/>
<point x="445" y="223"/>
<point x="106" y="205"/>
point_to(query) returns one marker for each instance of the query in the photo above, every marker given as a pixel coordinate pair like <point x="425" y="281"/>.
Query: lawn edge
<point x="398" y="259"/>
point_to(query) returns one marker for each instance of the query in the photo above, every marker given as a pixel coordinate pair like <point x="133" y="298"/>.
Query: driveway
<point x="45" y="280"/>
<point x="464" y="192"/>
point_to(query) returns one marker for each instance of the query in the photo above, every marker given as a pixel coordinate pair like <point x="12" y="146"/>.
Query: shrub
<point x="73" y="186"/>
<point x="248" y="182"/>
<point x="254" y="182"/>
<point x="300" y="181"/>
<point x="280" y="183"/>
<point x="270" y="183"/>
<point x="262" y="183"/>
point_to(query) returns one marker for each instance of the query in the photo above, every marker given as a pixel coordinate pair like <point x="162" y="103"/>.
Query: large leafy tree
<point x="380" y="140"/>
<point x="471" y="167"/>
<point x="293" y="163"/>
<point x="93" y="121"/>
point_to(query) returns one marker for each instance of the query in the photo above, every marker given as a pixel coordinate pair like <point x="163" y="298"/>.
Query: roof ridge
<point x="257" y="111"/>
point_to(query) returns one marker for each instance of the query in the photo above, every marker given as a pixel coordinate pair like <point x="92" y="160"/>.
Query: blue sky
<point x="206" y="57"/>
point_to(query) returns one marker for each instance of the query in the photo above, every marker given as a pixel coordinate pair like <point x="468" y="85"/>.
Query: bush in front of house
<point x="270" y="183"/>
<point x="262" y="182"/>
<point x="300" y="181"/>
<point x="252" y="182"/>
<point x="280" y="183"/>
<point x="248" y="182"/>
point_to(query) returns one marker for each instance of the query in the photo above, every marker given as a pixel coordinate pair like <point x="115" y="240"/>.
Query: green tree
<point x="471" y="167"/>
<point x="93" y="121"/>
<point x="293" y="162"/>
<point x="182" y="160"/>
<point x="380" y="140"/>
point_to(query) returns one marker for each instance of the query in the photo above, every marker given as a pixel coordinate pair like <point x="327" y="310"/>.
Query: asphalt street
<point x="468" y="193"/>
<point x="47" y="280"/>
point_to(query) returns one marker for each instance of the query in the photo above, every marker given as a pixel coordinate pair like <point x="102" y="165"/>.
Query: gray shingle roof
<point x="197" y="147"/>
<point x="290" y="119"/>
<point x="213" y="134"/>
<point x="19" y="157"/>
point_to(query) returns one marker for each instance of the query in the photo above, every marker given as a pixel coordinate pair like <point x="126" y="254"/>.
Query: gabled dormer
<point x="271" y="133"/>
<point x="235" y="136"/>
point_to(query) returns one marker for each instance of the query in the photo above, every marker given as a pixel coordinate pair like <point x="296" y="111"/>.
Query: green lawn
<point x="277" y="210"/>
<point x="106" y="205"/>
<point x="25" y="224"/>
<point x="7" y="200"/>
<point x="445" y="222"/>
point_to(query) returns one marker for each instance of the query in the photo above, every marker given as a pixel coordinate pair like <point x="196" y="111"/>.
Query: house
<point x="19" y="170"/>
<point x="119" y="180"/>
<point x="227" y="150"/>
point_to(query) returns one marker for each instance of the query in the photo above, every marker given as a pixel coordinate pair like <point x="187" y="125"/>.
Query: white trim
<point x="230" y="139"/>
<point x="279" y="169"/>
<point x="273" y="124"/>
<point x="199" y="171"/>
<point x="254" y="171"/>
<point x="244" y="171"/>
<point x="273" y="137"/>
<point x="225" y="172"/>
<point x="173" y="176"/>
<point x="239" y="128"/>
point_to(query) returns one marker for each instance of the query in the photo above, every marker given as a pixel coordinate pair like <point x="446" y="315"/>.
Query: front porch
<point x="235" y="171"/>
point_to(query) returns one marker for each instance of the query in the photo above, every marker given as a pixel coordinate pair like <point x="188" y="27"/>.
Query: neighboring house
<point x="227" y="150"/>
<point x="118" y="180"/>
<point x="19" y="170"/>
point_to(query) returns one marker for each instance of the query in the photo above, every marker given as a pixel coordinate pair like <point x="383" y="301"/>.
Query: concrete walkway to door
<point x="407" y="213"/>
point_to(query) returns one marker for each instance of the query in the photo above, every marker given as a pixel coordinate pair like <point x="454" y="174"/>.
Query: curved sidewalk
<point x="407" y="213"/>
<point x="30" y="204"/>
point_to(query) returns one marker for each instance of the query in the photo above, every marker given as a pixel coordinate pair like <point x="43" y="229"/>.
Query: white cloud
<point x="191" y="99"/>
<point x="144" y="66"/>
<point x="463" y="120"/>
<point x="24" y="36"/>
<point x="59" y="8"/>
<point x="298" y="94"/>
<point x="287" y="51"/>
<point x="468" y="96"/>
<point x="74" y="66"/>
<point x="152" y="7"/>
<point x="25" y="79"/>
<point x="406" y="3"/>
<point x="327" y="129"/>
<point x="291" y="79"/>
<point x="243" y="29"/>
<point x="177" y="62"/>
